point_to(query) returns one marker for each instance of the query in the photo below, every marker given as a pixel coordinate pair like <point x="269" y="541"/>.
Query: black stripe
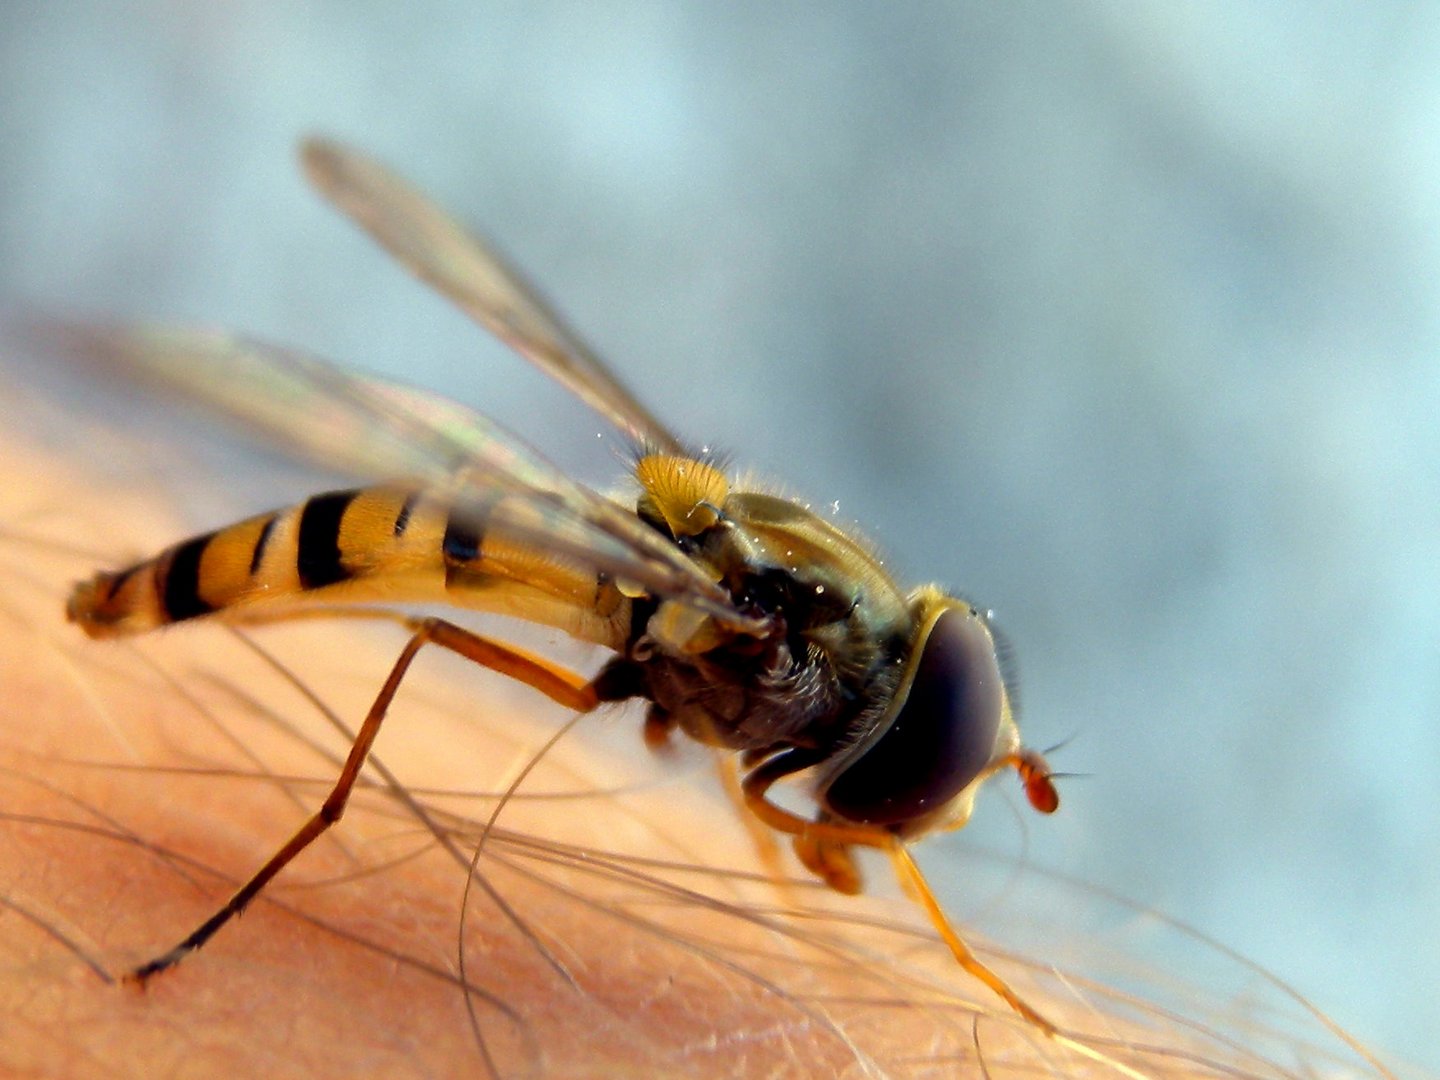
<point x="258" y="555"/>
<point x="317" y="556"/>
<point x="181" y="592"/>
<point x="402" y="519"/>
<point x="462" y="538"/>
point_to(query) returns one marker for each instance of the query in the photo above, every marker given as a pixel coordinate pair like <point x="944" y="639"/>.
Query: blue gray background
<point x="1121" y="317"/>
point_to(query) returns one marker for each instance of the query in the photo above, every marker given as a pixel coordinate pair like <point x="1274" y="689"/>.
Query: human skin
<point x="138" y="786"/>
<point x="136" y="798"/>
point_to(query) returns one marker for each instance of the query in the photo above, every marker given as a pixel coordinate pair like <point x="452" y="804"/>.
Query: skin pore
<point x="628" y="922"/>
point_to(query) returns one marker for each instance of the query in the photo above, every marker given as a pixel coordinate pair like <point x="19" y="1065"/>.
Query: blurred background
<point x="1119" y="317"/>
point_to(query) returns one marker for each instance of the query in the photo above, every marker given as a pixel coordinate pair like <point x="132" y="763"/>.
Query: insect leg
<point x="831" y="836"/>
<point x="766" y="849"/>
<point x="825" y="858"/>
<point x="565" y="687"/>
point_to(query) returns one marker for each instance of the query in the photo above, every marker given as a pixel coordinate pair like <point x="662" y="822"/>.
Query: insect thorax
<point x="829" y="665"/>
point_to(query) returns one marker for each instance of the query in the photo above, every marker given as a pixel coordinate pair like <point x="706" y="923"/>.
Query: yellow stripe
<point x="225" y="565"/>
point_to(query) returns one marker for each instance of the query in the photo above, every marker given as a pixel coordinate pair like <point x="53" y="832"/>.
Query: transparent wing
<point x="374" y="428"/>
<point x="469" y="272"/>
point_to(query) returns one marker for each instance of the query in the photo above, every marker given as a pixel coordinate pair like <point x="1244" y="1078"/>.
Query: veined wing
<point x="374" y="428"/>
<point x="470" y="273"/>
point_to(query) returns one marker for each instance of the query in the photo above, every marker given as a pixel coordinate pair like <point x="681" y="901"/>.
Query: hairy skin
<point x="138" y="785"/>
<point x="109" y="857"/>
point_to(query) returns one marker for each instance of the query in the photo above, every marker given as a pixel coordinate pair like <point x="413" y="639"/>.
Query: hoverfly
<point x="738" y="617"/>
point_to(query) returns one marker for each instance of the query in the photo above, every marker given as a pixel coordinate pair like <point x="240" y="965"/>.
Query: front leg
<point x="828" y="839"/>
<point x="823" y="845"/>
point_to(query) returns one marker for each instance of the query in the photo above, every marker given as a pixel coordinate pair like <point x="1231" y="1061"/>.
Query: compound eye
<point x="943" y="735"/>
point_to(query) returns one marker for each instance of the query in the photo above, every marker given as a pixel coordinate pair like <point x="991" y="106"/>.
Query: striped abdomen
<point x="374" y="545"/>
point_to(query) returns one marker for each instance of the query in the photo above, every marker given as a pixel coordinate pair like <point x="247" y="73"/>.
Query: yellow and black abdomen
<point x="340" y="538"/>
<point x="373" y="545"/>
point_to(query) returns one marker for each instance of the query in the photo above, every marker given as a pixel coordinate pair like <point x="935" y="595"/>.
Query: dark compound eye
<point x="941" y="739"/>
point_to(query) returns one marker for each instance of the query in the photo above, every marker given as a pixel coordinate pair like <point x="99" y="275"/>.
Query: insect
<point x="738" y="617"/>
